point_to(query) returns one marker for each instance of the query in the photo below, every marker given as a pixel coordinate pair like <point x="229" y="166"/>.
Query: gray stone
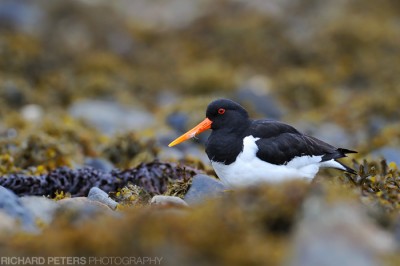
<point x="165" y="153"/>
<point x="167" y="98"/>
<point x="397" y="230"/>
<point x="22" y="16"/>
<point x="202" y="188"/>
<point x="390" y="154"/>
<point x="42" y="208"/>
<point x="178" y="121"/>
<point x="12" y="206"/>
<point x="338" y="234"/>
<point x="99" y="164"/>
<point x="96" y="194"/>
<point x="170" y="14"/>
<point x="111" y="117"/>
<point x="81" y="209"/>
<point x="168" y="200"/>
<point x="32" y="113"/>
<point x="82" y="203"/>
<point x="256" y="92"/>
<point x="7" y="223"/>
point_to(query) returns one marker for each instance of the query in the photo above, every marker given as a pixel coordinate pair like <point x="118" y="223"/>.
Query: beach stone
<point x="255" y="92"/>
<point x="12" y="206"/>
<point x="32" y="112"/>
<point x="22" y="15"/>
<point x="80" y="209"/>
<point x="167" y="98"/>
<point x="390" y="154"/>
<point x="397" y="229"/>
<point x="82" y="203"/>
<point x="168" y="200"/>
<point x="96" y="194"/>
<point x="338" y="234"/>
<point x="111" y="117"/>
<point x="165" y="153"/>
<point x="42" y="208"/>
<point x="178" y="121"/>
<point x="202" y="188"/>
<point x="10" y="91"/>
<point x="7" y="223"/>
<point x="99" y="164"/>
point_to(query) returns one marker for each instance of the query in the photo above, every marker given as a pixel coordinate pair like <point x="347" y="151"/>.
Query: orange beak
<point x="203" y="126"/>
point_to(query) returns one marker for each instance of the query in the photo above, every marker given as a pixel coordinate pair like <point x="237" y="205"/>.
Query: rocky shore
<point x="91" y="95"/>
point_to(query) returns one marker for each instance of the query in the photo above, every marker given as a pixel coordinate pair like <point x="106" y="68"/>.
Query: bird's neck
<point x="225" y="144"/>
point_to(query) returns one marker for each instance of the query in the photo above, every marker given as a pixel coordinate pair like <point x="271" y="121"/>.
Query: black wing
<point x="279" y="143"/>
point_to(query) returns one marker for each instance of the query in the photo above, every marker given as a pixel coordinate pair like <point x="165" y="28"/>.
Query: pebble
<point x="168" y="200"/>
<point x="256" y="92"/>
<point x="202" y="188"/>
<point x="111" y="117"/>
<point x="99" y="164"/>
<point x="81" y="209"/>
<point x="167" y="98"/>
<point x="178" y="121"/>
<point x="397" y="230"/>
<point x="390" y="154"/>
<point x="339" y="234"/>
<point x="32" y="112"/>
<point x="7" y="223"/>
<point x="11" y="205"/>
<point x="96" y="194"/>
<point x="42" y="208"/>
<point x="24" y="16"/>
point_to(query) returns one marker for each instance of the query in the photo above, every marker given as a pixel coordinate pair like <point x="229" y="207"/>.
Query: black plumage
<point x="278" y="142"/>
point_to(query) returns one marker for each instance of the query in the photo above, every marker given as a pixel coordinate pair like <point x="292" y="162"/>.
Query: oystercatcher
<point x="243" y="151"/>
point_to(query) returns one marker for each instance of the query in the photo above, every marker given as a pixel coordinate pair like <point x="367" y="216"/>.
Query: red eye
<point x="221" y="111"/>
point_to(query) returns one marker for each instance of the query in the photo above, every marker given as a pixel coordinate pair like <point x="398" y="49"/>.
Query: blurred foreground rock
<point x="42" y="208"/>
<point x="80" y="209"/>
<point x="99" y="195"/>
<point x="338" y="233"/>
<point x="168" y="201"/>
<point x="12" y="206"/>
<point x="203" y="187"/>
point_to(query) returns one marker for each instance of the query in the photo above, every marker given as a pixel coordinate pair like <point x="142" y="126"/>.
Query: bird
<point x="247" y="152"/>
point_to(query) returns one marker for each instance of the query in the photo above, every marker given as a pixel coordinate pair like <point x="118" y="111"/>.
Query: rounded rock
<point x="168" y="200"/>
<point x="96" y="194"/>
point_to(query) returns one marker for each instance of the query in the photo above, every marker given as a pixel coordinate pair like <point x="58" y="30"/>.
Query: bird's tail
<point x="346" y="168"/>
<point x="345" y="151"/>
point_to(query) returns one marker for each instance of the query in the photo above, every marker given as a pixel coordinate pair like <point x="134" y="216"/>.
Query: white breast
<point x="248" y="169"/>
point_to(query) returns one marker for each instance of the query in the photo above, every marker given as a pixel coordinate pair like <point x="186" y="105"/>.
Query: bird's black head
<point x="226" y="114"/>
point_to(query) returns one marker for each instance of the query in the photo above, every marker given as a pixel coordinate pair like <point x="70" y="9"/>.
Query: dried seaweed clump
<point x="127" y="150"/>
<point x="131" y="195"/>
<point x="179" y="187"/>
<point x="152" y="177"/>
<point x="380" y="183"/>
